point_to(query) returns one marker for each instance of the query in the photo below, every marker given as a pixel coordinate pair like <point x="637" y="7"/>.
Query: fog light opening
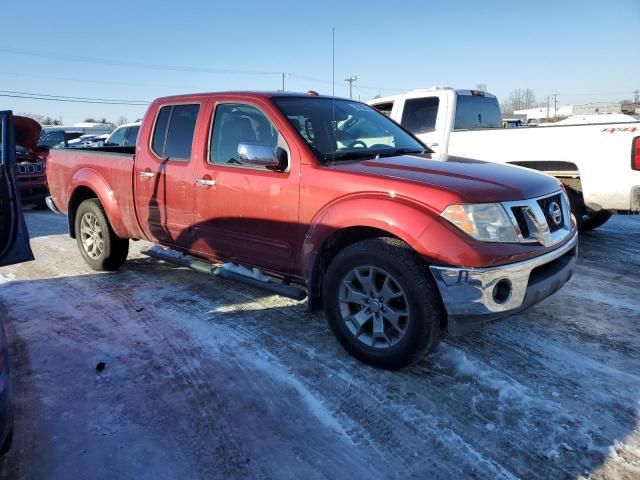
<point x="502" y="291"/>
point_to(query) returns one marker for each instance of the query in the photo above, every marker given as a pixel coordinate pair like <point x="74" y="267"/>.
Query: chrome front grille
<point x="547" y="204"/>
<point x="30" y="168"/>
<point x="545" y="220"/>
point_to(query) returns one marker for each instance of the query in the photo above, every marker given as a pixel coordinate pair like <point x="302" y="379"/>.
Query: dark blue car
<point x="14" y="248"/>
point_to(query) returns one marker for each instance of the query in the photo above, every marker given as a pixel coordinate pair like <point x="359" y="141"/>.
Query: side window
<point x="132" y="136"/>
<point x="182" y="126"/>
<point x="160" y="130"/>
<point x="235" y="123"/>
<point x="173" y="134"/>
<point x="384" y="108"/>
<point x="117" y="137"/>
<point x="420" y="114"/>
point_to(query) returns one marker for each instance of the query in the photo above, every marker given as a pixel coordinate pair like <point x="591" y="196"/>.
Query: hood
<point x="474" y="181"/>
<point x="27" y="132"/>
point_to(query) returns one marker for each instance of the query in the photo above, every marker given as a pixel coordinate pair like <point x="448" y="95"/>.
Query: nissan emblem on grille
<point x="555" y="212"/>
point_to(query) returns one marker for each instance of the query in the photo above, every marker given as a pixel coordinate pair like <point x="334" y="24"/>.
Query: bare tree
<point x="519" y="99"/>
<point x="121" y="121"/>
<point x="481" y="86"/>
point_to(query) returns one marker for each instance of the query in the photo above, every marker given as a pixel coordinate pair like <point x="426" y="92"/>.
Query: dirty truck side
<point x="330" y="196"/>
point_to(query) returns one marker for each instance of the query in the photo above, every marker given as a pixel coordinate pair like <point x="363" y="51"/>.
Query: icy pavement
<point x="208" y="379"/>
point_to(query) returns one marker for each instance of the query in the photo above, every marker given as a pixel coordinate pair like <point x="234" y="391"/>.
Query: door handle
<point x="205" y="182"/>
<point x="146" y="174"/>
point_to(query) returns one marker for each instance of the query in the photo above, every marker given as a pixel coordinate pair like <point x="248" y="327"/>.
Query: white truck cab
<point x="598" y="163"/>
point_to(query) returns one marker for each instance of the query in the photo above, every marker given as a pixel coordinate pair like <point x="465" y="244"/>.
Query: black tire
<point x="114" y="249"/>
<point x="577" y="206"/>
<point x="8" y="442"/>
<point x="40" y="205"/>
<point x="422" y="324"/>
<point x="595" y="220"/>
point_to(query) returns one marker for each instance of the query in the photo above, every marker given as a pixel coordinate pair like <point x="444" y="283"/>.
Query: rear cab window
<point x="477" y="111"/>
<point x="420" y="114"/>
<point x="174" y="130"/>
<point x="384" y="108"/>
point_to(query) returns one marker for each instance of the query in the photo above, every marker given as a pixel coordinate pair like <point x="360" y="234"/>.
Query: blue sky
<point x="581" y="50"/>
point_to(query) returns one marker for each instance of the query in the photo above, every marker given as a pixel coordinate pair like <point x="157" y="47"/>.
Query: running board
<point x="271" y="284"/>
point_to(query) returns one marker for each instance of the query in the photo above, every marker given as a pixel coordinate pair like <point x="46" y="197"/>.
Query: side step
<point x="271" y="284"/>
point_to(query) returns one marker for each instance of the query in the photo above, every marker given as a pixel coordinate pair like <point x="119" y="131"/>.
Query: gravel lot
<point x="208" y="379"/>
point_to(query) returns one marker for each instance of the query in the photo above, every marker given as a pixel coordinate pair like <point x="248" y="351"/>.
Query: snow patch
<point x="314" y="404"/>
<point x="456" y="360"/>
<point x="7" y="277"/>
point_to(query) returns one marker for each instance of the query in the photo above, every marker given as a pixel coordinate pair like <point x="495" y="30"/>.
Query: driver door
<point x="14" y="238"/>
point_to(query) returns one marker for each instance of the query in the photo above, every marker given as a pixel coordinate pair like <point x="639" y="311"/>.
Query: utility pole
<point x="351" y="79"/>
<point x="548" y="98"/>
<point x="636" y="98"/>
<point x="555" y="105"/>
<point x="283" y="75"/>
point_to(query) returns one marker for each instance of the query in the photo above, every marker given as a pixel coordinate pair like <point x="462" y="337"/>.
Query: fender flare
<point x="399" y="216"/>
<point x="89" y="178"/>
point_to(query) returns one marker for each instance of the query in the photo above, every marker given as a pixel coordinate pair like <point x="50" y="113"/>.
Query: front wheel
<point x="595" y="220"/>
<point x="381" y="303"/>
<point x="100" y="247"/>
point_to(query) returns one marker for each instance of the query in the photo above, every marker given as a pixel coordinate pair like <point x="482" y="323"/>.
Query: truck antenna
<point x="333" y="93"/>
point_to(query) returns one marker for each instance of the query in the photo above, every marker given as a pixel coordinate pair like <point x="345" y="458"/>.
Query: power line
<point x="179" y="68"/>
<point x="123" y="63"/>
<point x="60" y="98"/>
<point x="144" y="102"/>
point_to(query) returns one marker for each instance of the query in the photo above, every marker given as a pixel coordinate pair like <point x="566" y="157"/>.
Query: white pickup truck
<point x="598" y="163"/>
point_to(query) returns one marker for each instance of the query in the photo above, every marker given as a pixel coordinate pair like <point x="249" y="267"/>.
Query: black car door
<point x="14" y="238"/>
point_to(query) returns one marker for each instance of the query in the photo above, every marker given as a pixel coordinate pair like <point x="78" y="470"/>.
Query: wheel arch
<point x="87" y="184"/>
<point x="354" y="220"/>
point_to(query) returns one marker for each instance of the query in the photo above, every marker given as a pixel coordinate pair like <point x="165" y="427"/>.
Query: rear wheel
<point x="381" y="303"/>
<point x="100" y="247"/>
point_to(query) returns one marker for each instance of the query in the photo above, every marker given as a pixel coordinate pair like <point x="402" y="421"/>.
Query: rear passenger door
<point x="164" y="182"/>
<point x="14" y="238"/>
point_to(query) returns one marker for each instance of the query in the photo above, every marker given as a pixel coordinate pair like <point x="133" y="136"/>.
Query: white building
<point x="542" y="113"/>
<point x="564" y="111"/>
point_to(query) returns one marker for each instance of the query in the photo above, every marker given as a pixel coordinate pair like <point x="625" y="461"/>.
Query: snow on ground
<point x="206" y="378"/>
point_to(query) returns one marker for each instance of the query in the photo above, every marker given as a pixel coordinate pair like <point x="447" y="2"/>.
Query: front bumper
<point x="473" y="296"/>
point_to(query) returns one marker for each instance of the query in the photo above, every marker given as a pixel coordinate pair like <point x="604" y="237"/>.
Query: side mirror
<point x="255" y="154"/>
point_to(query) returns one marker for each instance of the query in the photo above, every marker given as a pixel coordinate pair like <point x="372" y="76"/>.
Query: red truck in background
<point x="330" y="195"/>
<point x="31" y="176"/>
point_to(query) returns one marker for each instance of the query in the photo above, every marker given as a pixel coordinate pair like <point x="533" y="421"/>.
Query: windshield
<point x="346" y="130"/>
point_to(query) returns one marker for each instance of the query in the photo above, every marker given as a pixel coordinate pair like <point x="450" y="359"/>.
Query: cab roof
<point x="248" y="93"/>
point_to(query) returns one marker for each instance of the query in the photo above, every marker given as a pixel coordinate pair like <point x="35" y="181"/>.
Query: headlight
<point x="487" y="222"/>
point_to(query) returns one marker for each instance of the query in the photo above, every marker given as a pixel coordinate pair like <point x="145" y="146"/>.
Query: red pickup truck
<point x="330" y="195"/>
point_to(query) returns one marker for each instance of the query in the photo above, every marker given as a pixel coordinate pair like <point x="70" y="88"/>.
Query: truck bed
<point x="109" y="167"/>
<point x="599" y="154"/>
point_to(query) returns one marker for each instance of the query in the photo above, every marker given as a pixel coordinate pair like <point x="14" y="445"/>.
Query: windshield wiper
<point x="349" y="156"/>
<point x="400" y="151"/>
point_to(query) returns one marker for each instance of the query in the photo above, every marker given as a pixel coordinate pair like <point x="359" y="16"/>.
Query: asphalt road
<point x="208" y="379"/>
